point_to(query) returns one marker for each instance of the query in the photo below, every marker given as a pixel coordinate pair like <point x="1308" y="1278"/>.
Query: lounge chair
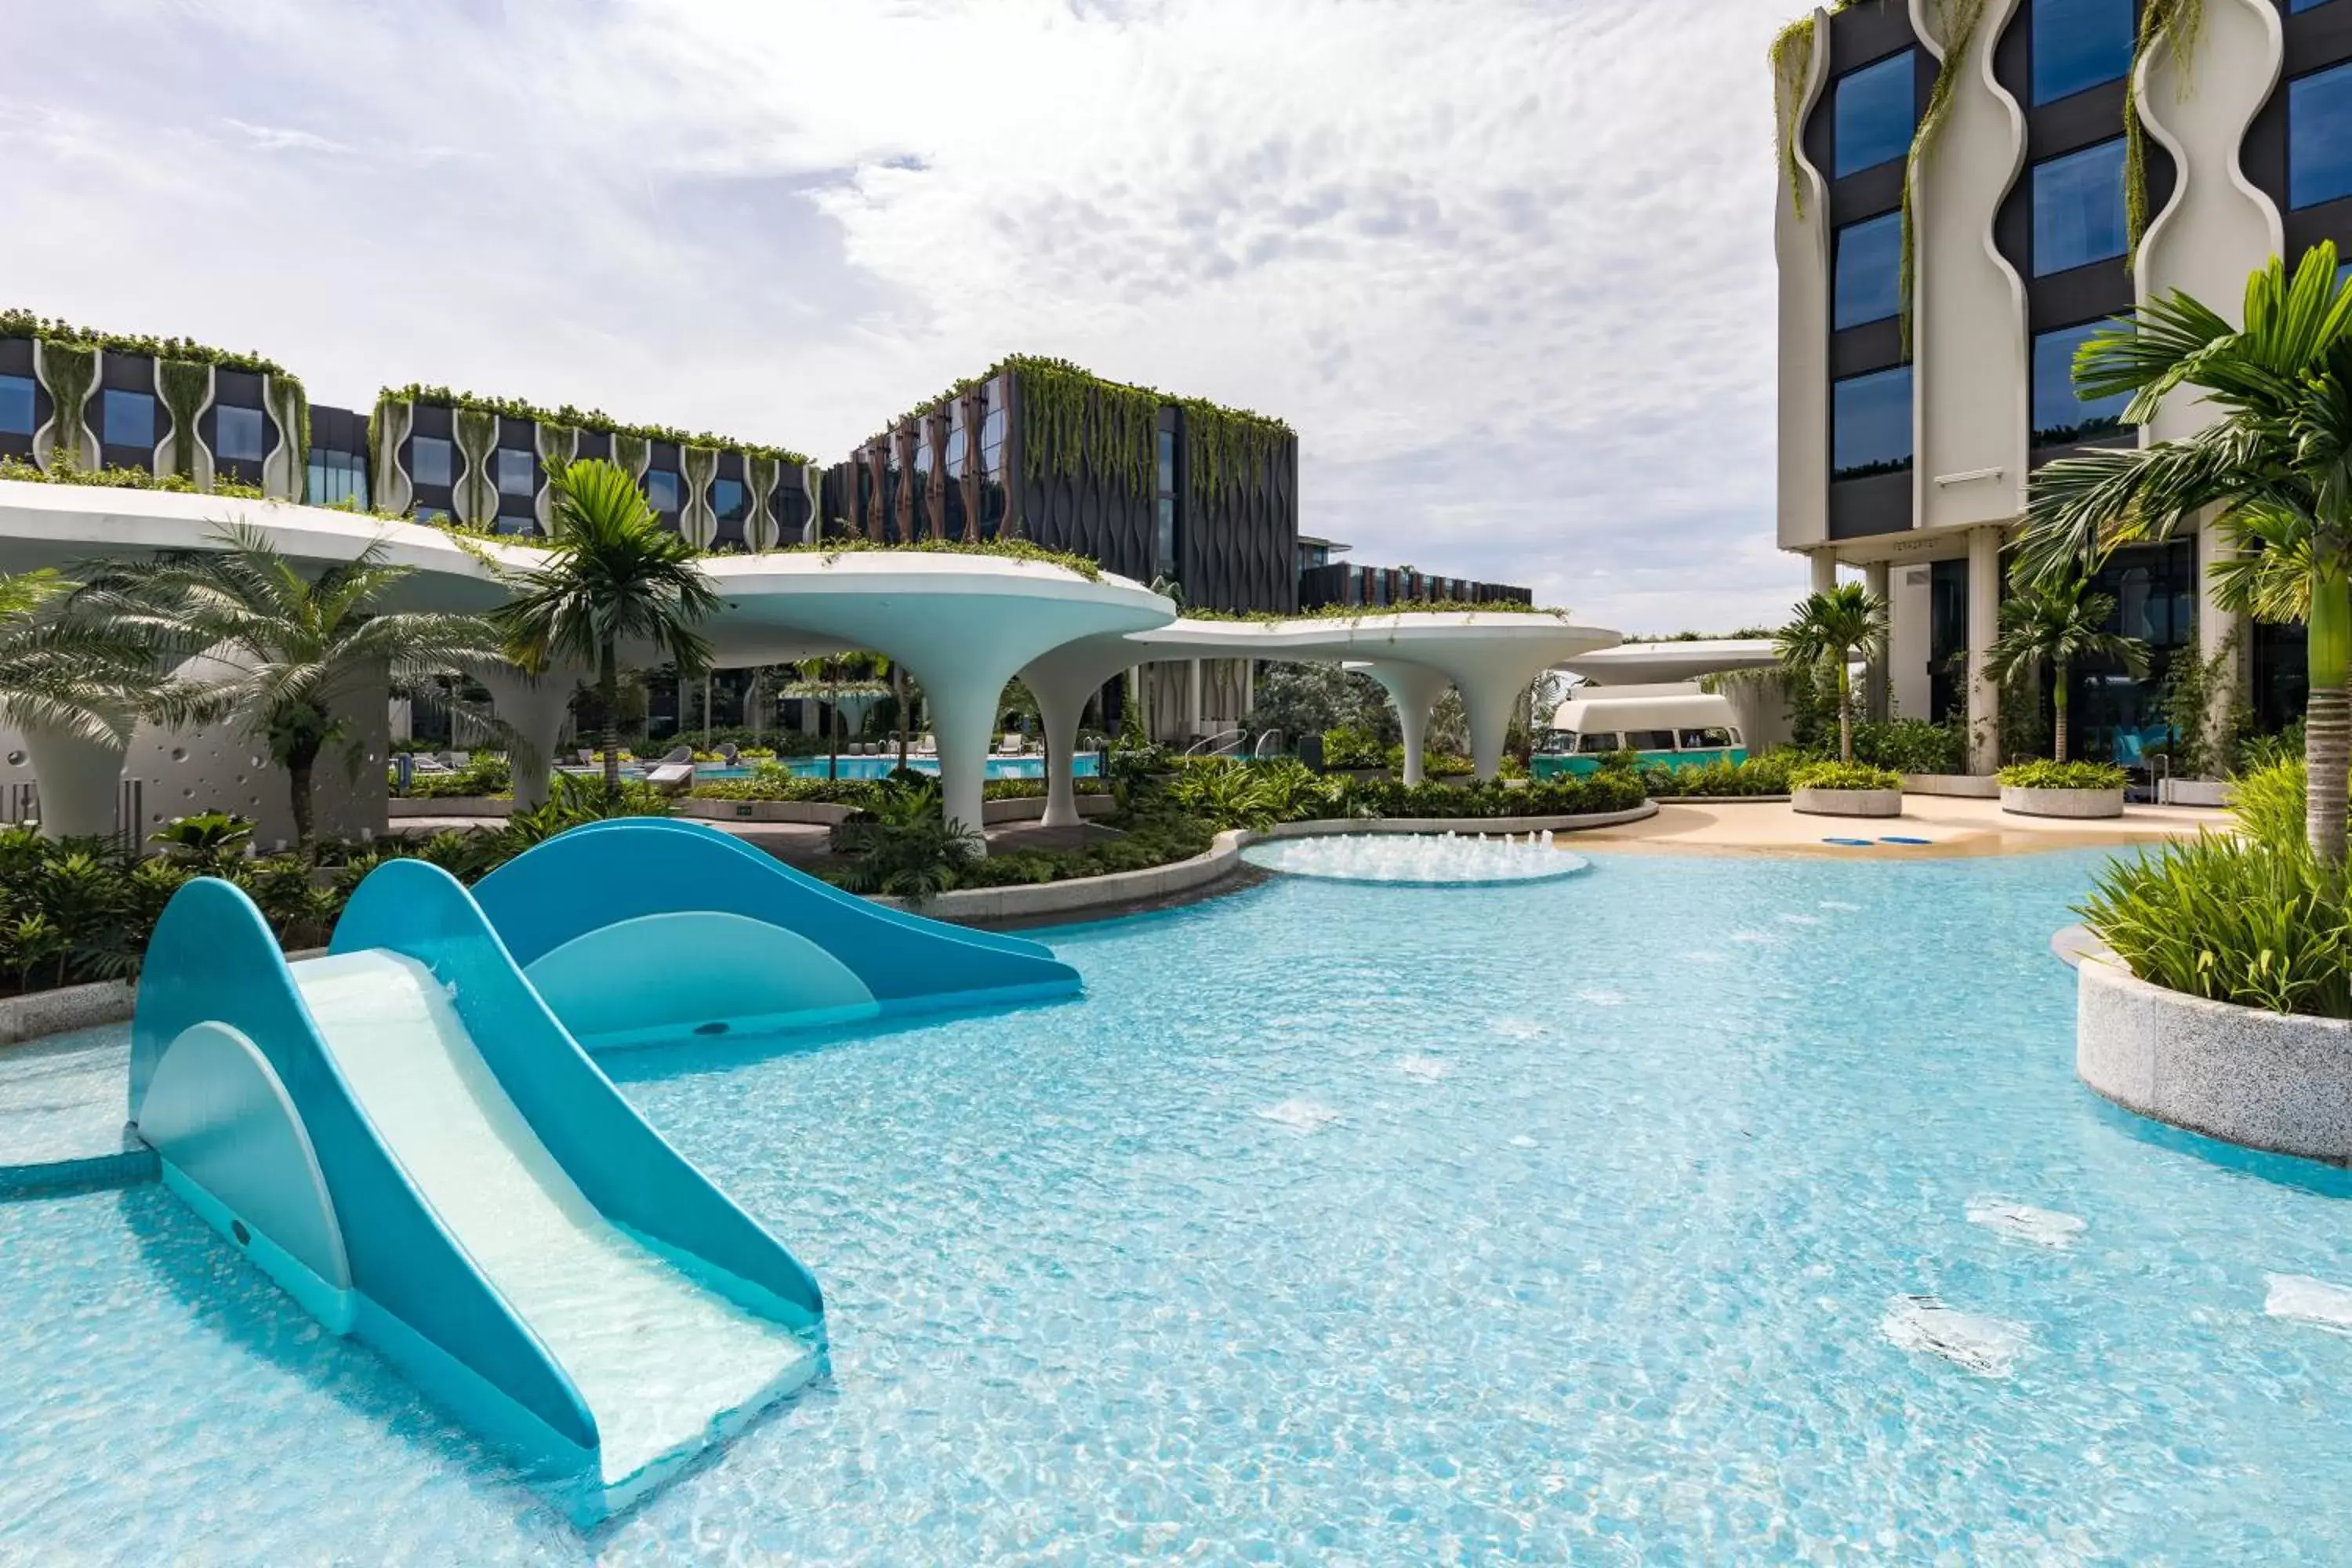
<point x="728" y="754"/>
<point x="927" y="745"/>
<point x="671" y="778"/>
<point x="675" y="755"/>
<point x="1010" y="746"/>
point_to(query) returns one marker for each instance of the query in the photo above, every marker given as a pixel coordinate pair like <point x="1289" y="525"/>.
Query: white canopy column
<point x="80" y="782"/>
<point x="1062" y="681"/>
<point x="534" y="708"/>
<point x="1415" y="689"/>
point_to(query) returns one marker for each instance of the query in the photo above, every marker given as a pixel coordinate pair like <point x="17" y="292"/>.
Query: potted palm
<point x="1829" y="630"/>
<point x="2053" y="621"/>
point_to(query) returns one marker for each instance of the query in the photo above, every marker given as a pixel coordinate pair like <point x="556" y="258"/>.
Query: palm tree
<point x="66" y="673"/>
<point x="296" y="650"/>
<point x="2057" y="623"/>
<point x="1834" y="626"/>
<point x="614" y="574"/>
<point x="2277" y="461"/>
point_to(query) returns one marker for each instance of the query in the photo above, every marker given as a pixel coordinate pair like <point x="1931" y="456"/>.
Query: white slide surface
<point x="659" y="1357"/>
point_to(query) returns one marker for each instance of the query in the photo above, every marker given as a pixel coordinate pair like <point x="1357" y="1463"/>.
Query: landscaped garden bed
<point x="2081" y="790"/>
<point x="1847" y="789"/>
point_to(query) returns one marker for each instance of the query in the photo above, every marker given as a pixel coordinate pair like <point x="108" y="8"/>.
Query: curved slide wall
<point x="405" y="1137"/>
<point x="648" y="928"/>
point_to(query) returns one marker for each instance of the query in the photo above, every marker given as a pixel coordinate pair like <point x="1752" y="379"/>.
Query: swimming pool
<point x="1084" y="765"/>
<point x="1348" y="1224"/>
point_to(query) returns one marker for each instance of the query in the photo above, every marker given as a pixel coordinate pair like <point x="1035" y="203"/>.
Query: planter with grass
<point x="1965" y="786"/>
<point x="1847" y="789"/>
<point x="2075" y="790"/>
<point x="2224" y="1005"/>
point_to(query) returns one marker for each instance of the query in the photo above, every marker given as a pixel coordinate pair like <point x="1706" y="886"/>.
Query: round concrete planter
<point x="1848" y="802"/>
<point x="2268" y="1080"/>
<point x="2195" y="792"/>
<point x="1966" y="787"/>
<point x="2073" y="802"/>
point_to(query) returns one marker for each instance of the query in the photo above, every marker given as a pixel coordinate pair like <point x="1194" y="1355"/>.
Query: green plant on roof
<point x="595" y="419"/>
<point x="183" y="383"/>
<point x="69" y="370"/>
<point x="2176" y="22"/>
<point x="294" y="419"/>
<point x="1792" y="67"/>
<point x="20" y="323"/>
<point x="476" y="496"/>
<point x="1958" y="22"/>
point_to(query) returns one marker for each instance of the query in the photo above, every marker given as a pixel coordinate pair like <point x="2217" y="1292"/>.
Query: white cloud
<point x="1506" y="266"/>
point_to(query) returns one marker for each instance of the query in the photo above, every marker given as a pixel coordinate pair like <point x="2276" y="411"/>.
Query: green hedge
<point x="2062" y="775"/>
<point x="1845" y="775"/>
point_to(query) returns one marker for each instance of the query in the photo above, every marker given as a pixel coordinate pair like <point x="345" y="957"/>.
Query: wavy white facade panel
<point x="1802" y="246"/>
<point x="2217" y="228"/>
<point x="1969" y="386"/>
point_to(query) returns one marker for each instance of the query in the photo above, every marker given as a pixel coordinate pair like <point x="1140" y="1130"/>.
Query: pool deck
<point x="1953" y="826"/>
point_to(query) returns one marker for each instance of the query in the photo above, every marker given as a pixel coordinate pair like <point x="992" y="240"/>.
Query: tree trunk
<point x="2058" y="715"/>
<point x="2328" y="716"/>
<point x="833" y="725"/>
<point x="608" y="697"/>
<point x="299" y="769"/>
<point x="1845" y="711"/>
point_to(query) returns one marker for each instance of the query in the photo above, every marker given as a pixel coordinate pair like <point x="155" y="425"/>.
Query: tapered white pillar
<point x="1874" y="680"/>
<point x="534" y="708"/>
<point x="79" y="782"/>
<point x="1825" y="563"/>
<point x="1984" y="627"/>
<point x="963" y="718"/>
<point x="1062" y="682"/>
<point x="1415" y="689"/>
<point x="1193" y="713"/>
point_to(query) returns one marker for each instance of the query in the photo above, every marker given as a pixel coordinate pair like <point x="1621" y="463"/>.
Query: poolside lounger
<point x="678" y="754"/>
<point x="927" y="745"/>
<point x="1010" y="746"/>
<point x="671" y="778"/>
<point x="728" y="754"/>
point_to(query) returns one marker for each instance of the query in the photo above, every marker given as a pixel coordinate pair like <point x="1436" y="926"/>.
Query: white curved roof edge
<point x="1367" y="633"/>
<point x="912" y="572"/>
<point x="1638" y="663"/>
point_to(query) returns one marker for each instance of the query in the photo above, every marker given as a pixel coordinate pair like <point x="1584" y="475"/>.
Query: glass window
<point x="1874" y="114"/>
<point x="1706" y="740"/>
<point x="2079" y="44"/>
<point x="236" y="436"/>
<point x="2319" y="137"/>
<point x="432" y="514"/>
<point x="1869" y="271"/>
<point x="2078" y="208"/>
<point x="1163" y="540"/>
<point x="2303" y="5"/>
<point x="337" y="477"/>
<point x="728" y="499"/>
<point x="1555" y="743"/>
<point x="1600" y="741"/>
<point x="514" y="472"/>
<point x="1870" y="424"/>
<point x="130" y="419"/>
<point x="2060" y="416"/>
<point x="661" y="489"/>
<point x="16" y="405"/>
<point x="1650" y="740"/>
<point x="429" y="460"/>
<point x="512" y="523"/>
<point x="1167" y="461"/>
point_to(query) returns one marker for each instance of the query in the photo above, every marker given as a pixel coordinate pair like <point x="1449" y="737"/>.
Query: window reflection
<point x="661" y="489"/>
<point x="2319" y="137"/>
<point x="2061" y="416"/>
<point x="514" y="472"/>
<point x="2079" y="44"/>
<point x="728" y="500"/>
<point x="2078" y="208"/>
<point x="129" y="418"/>
<point x="16" y="404"/>
<point x="1874" y="114"/>
<point x="236" y="436"/>
<point x="1869" y="271"/>
<point x="1870" y="424"/>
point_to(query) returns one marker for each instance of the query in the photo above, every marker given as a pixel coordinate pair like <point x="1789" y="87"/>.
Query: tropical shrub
<point x="2269" y="804"/>
<point x="2244" y="921"/>
<point x="1349" y="746"/>
<point x="1765" y="773"/>
<point x="1154" y="838"/>
<point x="207" y="839"/>
<point x="1845" y="775"/>
<point x="903" y="846"/>
<point x="1912" y="745"/>
<point x="485" y="773"/>
<point x="2041" y="774"/>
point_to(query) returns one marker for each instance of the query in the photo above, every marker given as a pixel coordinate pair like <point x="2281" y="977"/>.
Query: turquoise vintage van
<point x="1673" y="726"/>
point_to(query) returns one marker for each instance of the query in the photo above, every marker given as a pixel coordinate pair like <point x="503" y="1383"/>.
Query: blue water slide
<point x="650" y="928"/>
<point x="403" y="1136"/>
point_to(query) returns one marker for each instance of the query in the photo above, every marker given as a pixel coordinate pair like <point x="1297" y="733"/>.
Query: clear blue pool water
<point x="1343" y="1223"/>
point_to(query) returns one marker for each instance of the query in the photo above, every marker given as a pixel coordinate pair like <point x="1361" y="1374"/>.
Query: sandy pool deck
<point x="1951" y="825"/>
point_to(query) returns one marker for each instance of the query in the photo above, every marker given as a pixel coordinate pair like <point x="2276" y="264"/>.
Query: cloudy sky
<point x="1505" y="264"/>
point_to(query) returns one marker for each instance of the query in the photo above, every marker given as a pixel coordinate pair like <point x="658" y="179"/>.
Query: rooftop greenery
<point x="20" y="323"/>
<point x="567" y="416"/>
<point x="64" y="470"/>
<point x="1005" y="548"/>
<point x="1352" y="613"/>
<point x="1068" y="409"/>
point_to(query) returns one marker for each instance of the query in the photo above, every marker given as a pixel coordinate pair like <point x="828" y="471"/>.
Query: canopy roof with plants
<point x="1069" y="412"/>
<point x="571" y="418"/>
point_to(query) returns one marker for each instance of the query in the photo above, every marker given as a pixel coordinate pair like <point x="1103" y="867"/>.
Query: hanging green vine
<point x="69" y="370"/>
<point x="1792" y="67"/>
<point x="183" y="382"/>
<point x="760" y="477"/>
<point x="1222" y="445"/>
<point x="1070" y="416"/>
<point x="581" y="419"/>
<point x="474" y="495"/>
<point x="294" y="419"/>
<point x="631" y="452"/>
<point x="1958" y="21"/>
<point x="558" y="445"/>
<point x="2179" y="23"/>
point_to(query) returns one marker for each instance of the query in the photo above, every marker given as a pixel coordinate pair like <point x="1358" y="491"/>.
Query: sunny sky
<point x="1506" y="267"/>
